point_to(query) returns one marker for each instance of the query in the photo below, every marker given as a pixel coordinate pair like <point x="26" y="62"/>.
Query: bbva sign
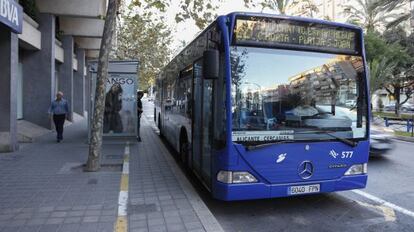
<point x="11" y="14"/>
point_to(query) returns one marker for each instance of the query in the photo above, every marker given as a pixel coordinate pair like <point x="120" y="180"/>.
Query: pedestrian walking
<point x="59" y="110"/>
<point x="139" y="113"/>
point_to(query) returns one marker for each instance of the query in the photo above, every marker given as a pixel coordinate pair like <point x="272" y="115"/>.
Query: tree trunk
<point x="95" y="145"/>
<point x="397" y="92"/>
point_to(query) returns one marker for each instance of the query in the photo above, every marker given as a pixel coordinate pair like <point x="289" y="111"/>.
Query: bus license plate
<point x="303" y="189"/>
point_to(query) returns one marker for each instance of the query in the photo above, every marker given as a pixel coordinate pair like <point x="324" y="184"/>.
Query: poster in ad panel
<point x="120" y="116"/>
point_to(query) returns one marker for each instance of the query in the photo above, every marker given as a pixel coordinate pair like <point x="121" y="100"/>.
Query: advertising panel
<point x="120" y="113"/>
<point x="120" y="104"/>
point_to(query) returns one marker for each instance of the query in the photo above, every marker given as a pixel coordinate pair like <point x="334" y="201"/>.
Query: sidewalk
<point x="161" y="198"/>
<point x="43" y="188"/>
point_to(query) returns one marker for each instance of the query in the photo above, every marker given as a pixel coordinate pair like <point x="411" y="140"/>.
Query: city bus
<point x="265" y="106"/>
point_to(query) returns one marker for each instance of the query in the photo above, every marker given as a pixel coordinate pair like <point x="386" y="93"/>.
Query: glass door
<point x="202" y="123"/>
<point x="207" y="129"/>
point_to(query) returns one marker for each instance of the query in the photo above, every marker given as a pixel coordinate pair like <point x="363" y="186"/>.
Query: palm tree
<point x="372" y="14"/>
<point x="299" y="8"/>
<point x="402" y="17"/>
<point x="380" y="70"/>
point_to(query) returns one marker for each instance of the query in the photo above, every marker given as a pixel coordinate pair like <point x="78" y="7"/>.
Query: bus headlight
<point x="357" y="169"/>
<point x="229" y="177"/>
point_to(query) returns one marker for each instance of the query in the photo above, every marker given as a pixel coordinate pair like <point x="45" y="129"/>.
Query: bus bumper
<point x="233" y="192"/>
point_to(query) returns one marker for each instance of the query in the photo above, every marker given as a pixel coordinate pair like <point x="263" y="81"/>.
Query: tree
<point x="390" y="65"/>
<point x="402" y="17"/>
<point x="202" y="12"/>
<point x="200" y="9"/>
<point x="402" y="80"/>
<point x="293" y="7"/>
<point x="144" y="34"/>
<point x="372" y="14"/>
<point x="95" y="146"/>
<point x="148" y="40"/>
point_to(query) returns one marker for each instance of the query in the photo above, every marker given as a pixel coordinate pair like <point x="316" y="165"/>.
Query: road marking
<point x="387" y="212"/>
<point x="121" y="224"/>
<point x="385" y="203"/>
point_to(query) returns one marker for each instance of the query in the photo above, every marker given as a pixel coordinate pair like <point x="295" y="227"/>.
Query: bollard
<point x="386" y="122"/>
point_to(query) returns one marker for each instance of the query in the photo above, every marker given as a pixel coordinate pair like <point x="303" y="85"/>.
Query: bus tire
<point x="155" y="115"/>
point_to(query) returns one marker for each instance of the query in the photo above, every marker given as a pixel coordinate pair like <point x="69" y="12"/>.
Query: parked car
<point x="406" y="107"/>
<point x="350" y="103"/>
<point x="380" y="141"/>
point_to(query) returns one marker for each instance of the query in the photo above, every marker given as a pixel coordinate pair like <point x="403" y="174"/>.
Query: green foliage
<point x="392" y="115"/>
<point x="403" y="133"/>
<point x="30" y="8"/>
<point x="292" y="7"/>
<point x="144" y="35"/>
<point x="201" y="11"/>
<point x="372" y="14"/>
<point x="386" y="60"/>
<point x="390" y="60"/>
<point x="147" y="40"/>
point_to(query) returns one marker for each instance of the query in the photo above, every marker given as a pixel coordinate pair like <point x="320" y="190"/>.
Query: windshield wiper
<point x="253" y="147"/>
<point x="346" y="141"/>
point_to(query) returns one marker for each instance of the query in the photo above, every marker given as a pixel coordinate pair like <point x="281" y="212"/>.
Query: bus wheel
<point x="155" y="115"/>
<point x="184" y="153"/>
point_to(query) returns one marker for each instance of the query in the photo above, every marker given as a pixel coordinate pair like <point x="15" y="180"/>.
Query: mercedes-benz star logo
<point x="305" y="170"/>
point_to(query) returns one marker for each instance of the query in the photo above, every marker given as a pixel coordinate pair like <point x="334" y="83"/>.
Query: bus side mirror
<point x="211" y="64"/>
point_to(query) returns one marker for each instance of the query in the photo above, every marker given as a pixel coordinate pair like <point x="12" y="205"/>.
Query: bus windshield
<point x="295" y="95"/>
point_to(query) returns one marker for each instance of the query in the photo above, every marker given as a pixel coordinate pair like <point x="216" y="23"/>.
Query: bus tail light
<point x="357" y="169"/>
<point x="229" y="177"/>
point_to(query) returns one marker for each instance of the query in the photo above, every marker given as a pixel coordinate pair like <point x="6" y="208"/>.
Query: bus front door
<point x="202" y="124"/>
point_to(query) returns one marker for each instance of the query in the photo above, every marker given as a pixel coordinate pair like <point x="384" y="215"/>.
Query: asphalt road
<point x="387" y="207"/>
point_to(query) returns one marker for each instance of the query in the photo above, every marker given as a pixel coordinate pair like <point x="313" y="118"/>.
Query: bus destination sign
<point x="295" y="35"/>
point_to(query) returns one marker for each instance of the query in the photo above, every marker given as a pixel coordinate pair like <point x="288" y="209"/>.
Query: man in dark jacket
<point x="139" y="112"/>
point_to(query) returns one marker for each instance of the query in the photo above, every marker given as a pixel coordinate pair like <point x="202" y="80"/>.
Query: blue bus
<point x="264" y="106"/>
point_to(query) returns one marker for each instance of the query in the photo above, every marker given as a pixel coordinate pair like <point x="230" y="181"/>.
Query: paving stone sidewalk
<point x="160" y="196"/>
<point x="43" y="188"/>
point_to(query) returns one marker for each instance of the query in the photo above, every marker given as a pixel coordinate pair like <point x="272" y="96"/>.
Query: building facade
<point x="44" y="48"/>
